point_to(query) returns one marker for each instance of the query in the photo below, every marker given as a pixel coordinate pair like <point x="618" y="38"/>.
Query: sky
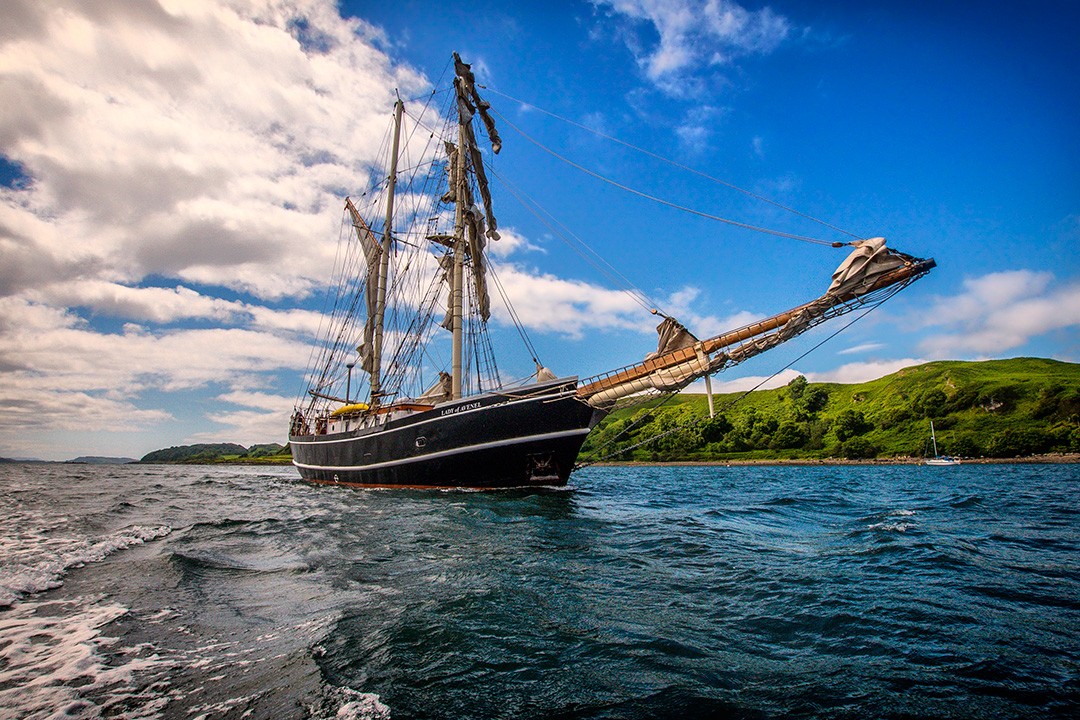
<point x="172" y="176"/>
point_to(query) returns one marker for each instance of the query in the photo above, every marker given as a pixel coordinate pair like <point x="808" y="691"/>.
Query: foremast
<point x="377" y="258"/>
<point x="384" y="263"/>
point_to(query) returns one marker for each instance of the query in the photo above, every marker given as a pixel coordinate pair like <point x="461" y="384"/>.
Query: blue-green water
<point x="746" y="592"/>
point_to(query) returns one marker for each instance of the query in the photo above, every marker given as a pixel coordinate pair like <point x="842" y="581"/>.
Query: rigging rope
<point x="593" y="258"/>
<point x="674" y="163"/>
<point x="662" y="201"/>
<point x="728" y="406"/>
<point x="513" y="312"/>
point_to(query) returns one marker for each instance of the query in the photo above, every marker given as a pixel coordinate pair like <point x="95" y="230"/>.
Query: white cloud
<point x="863" y="371"/>
<point x="546" y="302"/>
<point x="864" y="348"/>
<point x="698" y="126"/>
<point x="259" y="419"/>
<point x="511" y="242"/>
<point x="681" y="306"/>
<point x="173" y="146"/>
<point x="61" y="375"/>
<point x="146" y="304"/>
<point x="195" y="140"/>
<point x="757" y="144"/>
<point x="999" y="312"/>
<point x="695" y="35"/>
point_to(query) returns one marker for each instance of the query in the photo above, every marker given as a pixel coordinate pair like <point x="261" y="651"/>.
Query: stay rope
<point x="674" y="163"/>
<point x="579" y="246"/>
<point x="728" y="406"/>
<point x="669" y="203"/>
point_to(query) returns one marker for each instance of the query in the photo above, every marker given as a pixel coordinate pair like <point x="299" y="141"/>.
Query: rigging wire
<point x="513" y="312"/>
<point x="590" y="256"/>
<point x="729" y="405"/>
<point x="662" y="201"/>
<point x="675" y="163"/>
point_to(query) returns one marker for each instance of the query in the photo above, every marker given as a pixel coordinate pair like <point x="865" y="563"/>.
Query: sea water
<point x="648" y="592"/>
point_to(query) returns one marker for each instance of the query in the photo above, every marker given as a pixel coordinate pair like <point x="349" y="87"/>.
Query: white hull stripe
<point x="446" y="453"/>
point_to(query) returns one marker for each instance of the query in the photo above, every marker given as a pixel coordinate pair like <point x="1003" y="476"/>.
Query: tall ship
<point x="384" y="407"/>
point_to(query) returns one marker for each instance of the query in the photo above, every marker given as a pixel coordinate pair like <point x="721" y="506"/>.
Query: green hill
<point x="201" y="453"/>
<point x="206" y="453"/>
<point x="997" y="408"/>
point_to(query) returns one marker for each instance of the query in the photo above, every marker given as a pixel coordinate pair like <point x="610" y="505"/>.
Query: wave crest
<point x="38" y="563"/>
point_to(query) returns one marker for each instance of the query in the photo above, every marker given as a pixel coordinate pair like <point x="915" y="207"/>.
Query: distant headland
<point x="265" y="454"/>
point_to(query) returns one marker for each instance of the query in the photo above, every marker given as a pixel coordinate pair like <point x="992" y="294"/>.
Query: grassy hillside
<point x="998" y="408"/>
<point x="269" y="454"/>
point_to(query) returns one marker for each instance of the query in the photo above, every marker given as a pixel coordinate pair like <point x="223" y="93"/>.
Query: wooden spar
<point x="457" y="279"/>
<point x="358" y="222"/>
<point x="384" y="263"/>
<point x="324" y="396"/>
<point x="711" y="345"/>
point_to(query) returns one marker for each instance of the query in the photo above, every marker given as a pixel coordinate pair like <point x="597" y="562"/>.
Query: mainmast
<point x="471" y="225"/>
<point x="384" y="264"/>
<point x="458" y="278"/>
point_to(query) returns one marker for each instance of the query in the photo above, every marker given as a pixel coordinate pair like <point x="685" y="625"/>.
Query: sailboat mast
<point x="458" y="280"/>
<point x="933" y="438"/>
<point x="384" y="262"/>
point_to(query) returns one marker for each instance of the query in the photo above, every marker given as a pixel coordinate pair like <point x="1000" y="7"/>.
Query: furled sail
<point x="479" y="225"/>
<point x="472" y="101"/>
<point x="475" y="233"/>
<point x="372" y="250"/>
<point x="672" y="335"/>
<point x="869" y="259"/>
<point x="868" y="276"/>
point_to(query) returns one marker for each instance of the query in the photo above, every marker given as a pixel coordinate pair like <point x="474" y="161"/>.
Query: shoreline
<point x="1046" y="459"/>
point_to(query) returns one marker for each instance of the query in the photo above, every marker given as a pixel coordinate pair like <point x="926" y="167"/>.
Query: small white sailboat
<point x="939" y="459"/>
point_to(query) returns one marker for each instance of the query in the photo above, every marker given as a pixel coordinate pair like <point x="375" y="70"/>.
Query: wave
<point x="42" y="566"/>
<point x="54" y="662"/>
<point x="201" y="560"/>
<point x="342" y="703"/>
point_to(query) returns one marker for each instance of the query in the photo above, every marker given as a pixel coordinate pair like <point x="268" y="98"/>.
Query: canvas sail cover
<point x="866" y="263"/>
<point x="472" y="101"/>
<point x="672" y="335"/>
<point x="869" y="259"/>
<point x="372" y="250"/>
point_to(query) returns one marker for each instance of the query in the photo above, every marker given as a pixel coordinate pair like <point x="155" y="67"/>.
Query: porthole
<point x="421" y="441"/>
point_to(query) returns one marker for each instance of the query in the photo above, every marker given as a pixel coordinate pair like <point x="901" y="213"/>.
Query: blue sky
<point x="171" y="177"/>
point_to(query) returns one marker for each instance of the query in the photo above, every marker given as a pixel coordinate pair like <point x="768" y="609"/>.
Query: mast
<point x="933" y="438"/>
<point x="458" y="279"/>
<point x="471" y="226"/>
<point x="384" y="263"/>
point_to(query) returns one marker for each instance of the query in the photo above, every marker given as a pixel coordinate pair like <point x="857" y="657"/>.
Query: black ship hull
<point x="519" y="438"/>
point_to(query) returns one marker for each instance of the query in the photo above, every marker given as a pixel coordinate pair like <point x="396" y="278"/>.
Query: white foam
<point x="34" y="562"/>
<point x="891" y="527"/>
<point x="52" y="663"/>
<point x="342" y="703"/>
